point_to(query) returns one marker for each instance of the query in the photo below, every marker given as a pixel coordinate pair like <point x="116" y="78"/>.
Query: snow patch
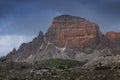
<point x="61" y="49"/>
<point x="18" y="58"/>
<point x="49" y="43"/>
<point x="41" y="46"/>
<point x="29" y="57"/>
<point x="44" y="38"/>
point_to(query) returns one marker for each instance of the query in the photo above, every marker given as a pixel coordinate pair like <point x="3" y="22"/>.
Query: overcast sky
<point x="21" y="20"/>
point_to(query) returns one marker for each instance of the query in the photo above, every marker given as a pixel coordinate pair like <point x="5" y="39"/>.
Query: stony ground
<point x="62" y="71"/>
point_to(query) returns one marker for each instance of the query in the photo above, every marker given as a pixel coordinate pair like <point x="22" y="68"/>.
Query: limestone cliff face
<point x="73" y="32"/>
<point x="111" y="41"/>
<point x="113" y="37"/>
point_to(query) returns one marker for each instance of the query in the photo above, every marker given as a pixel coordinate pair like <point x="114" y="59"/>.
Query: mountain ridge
<point x="68" y="37"/>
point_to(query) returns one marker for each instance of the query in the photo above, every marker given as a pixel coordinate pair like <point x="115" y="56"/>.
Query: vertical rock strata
<point x="73" y="32"/>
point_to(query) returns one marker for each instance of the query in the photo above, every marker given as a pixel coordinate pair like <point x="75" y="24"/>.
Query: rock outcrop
<point x="111" y="41"/>
<point x="73" y="32"/>
<point x="113" y="37"/>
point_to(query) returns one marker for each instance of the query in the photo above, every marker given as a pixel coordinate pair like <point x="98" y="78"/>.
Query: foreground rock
<point x="27" y="71"/>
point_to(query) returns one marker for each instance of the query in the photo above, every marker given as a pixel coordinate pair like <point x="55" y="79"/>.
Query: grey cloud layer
<point x="30" y="16"/>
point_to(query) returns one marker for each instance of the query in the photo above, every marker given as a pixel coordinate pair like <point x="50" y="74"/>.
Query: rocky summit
<point x="69" y="37"/>
<point x="73" y="32"/>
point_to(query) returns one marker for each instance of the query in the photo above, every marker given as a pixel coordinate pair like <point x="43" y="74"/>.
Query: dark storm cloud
<point x="108" y="6"/>
<point x="9" y="6"/>
<point x="111" y="6"/>
<point x="30" y="16"/>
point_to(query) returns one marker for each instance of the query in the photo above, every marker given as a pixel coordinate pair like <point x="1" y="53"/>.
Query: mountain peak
<point x="67" y="17"/>
<point x="73" y="31"/>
